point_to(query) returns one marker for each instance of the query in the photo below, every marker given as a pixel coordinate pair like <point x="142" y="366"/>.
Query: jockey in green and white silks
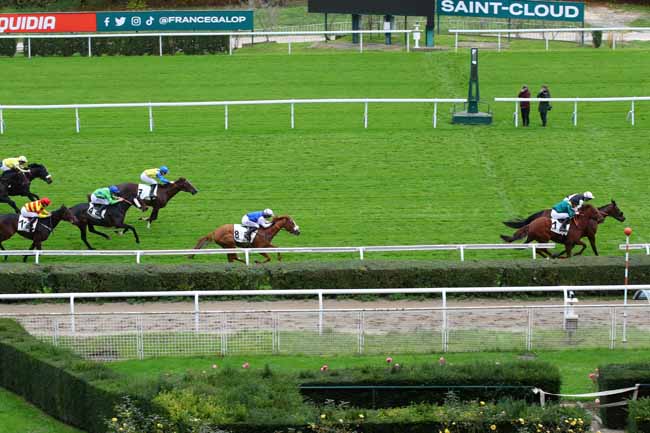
<point x="563" y="212"/>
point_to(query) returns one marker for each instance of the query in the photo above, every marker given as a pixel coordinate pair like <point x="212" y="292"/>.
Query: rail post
<point x="320" y="312"/>
<point x="630" y="115"/>
<point x="196" y="312"/>
<point x="150" y="118"/>
<point x="628" y="232"/>
<point x="360" y="329"/>
<point x="361" y="42"/>
<point x="456" y="43"/>
<point x="29" y="47"/>
<point x="613" y="40"/>
<point x="289" y="47"/>
<point x="247" y="255"/>
<point x="462" y="253"/>
<point x="293" y="116"/>
<point x="516" y="115"/>
<point x="361" y="252"/>
<point x="2" y="122"/>
<point x="445" y="336"/>
<point x="408" y="43"/>
<point x="529" y="331"/>
<point x="534" y="248"/>
<point x="435" y="114"/>
<point x="499" y="42"/>
<point x="545" y="40"/>
<point x="612" y="327"/>
<point x="37" y="257"/>
<point x="365" y="116"/>
<point x="90" y="46"/>
<point x="160" y="48"/>
<point x="575" y="113"/>
<point x="230" y="45"/>
<point x="76" y="118"/>
<point x="138" y="254"/>
<point x="225" y="114"/>
<point x="72" y="322"/>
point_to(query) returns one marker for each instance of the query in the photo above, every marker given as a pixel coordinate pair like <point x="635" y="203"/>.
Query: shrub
<point x="616" y="376"/>
<point x="8" y="47"/>
<point x="597" y="38"/>
<point x="639" y="419"/>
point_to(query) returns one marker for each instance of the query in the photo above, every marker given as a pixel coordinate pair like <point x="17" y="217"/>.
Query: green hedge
<point x="19" y="278"/>
<point x="135" y="46"/>
<point x="639" y="418"/>
<point x="8" y="47"/>
<point x="616" y="376"/>
<point x="517" y="379"/>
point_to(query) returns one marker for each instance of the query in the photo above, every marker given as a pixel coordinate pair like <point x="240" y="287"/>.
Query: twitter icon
<point x="119" y="21"/>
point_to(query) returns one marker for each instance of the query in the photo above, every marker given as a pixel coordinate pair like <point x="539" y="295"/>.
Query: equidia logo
<point x="22" y="23"/>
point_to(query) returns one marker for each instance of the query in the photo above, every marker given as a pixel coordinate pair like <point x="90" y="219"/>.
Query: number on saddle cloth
<point x="97" y="212"/>
<point x="27" y="225"/>
<point x="558" y="227"/>
<point x="239" y="234"/>
<point x="147" y="192"/>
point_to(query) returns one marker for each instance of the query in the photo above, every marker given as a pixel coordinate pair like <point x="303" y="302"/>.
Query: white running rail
<point x="645" y="247"/>
<point x="545" y="32"/>
<point x="574" y="116"/>
<point x="461" y="248"/>
<point x="291" y="102"/>
<point x="232" y="36"/>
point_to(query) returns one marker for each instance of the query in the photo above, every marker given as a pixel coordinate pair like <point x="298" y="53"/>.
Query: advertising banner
<point x="174" y="21"/>
<point x="47" y="23"/>
<point x="513" y="9"/>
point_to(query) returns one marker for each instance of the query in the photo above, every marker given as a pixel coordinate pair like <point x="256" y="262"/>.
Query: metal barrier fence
<point x="545" y="32"/>
<point x="645" y="247"/>
<point x="138" y="254"/>
<point x="118" y="336"/>
<point x="291" y="102"/>
<point x="574" y="115"/>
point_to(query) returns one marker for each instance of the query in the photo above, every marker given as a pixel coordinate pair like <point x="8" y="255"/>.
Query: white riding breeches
<point x="146" y="179"/>
<point x="27" y="214"/>
<point x="95" y="200"/>
<point x="559" y="215"/>
<point x="248" y="223"/>
<point x="4" y="168"/>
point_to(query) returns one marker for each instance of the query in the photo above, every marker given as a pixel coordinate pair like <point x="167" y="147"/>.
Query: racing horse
<point x="114" y="217"/>
<point x="609" y="210"/>
<point x="164" y="193"/>
<point x="44" y="227"/>
<point x="540" y="230"/>
<point x="20" y="183"/>
<point x="225" y="237"/>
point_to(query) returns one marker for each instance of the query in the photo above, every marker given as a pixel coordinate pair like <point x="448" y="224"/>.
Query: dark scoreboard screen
<point x="374" y="7"/>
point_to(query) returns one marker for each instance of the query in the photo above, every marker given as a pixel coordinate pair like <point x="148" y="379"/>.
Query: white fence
<point x="545" y="32"/>
<point x="112" y="336"/>
<point x="630" y="117"/>
<point x="138" y="254"/>
<point x="645" y="247"/>
<point x="232" y="37"/>
<point x="291" y="102"/>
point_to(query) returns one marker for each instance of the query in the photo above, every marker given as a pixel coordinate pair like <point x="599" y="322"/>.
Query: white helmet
<point x="267" y="212"/>
<point x="22" y="158"/>
<point x="588" y="195"/>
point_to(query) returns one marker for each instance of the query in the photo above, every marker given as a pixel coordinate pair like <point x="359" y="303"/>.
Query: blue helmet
<point x="113" y="189"/>
<point x="164" y="169"/>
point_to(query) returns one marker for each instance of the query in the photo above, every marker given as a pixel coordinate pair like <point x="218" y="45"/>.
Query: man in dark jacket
<point x="524" y="105"/>
<point x="544" y="107"/>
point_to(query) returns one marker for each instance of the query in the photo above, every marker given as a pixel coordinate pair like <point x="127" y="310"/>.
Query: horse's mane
<point x="280" y="217"/>
<point x="35" y="165"/>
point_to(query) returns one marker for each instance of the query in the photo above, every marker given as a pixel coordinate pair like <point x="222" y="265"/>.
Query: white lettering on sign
<point x="24" y="23"/>
<point x="521" y="9"/>
<point x="203" y="20"/>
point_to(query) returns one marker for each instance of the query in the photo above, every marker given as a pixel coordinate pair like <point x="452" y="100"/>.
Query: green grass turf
<point x="18" y="416"/>
<point x="399" y="182"/>
<point x="574" y="366"/>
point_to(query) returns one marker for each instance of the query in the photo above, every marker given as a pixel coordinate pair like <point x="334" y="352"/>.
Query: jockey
<point x="105" y="196"/>
<point x="154" y="176"/>
<point x="253" y="221"/>
<point x="12" y="166"/>
<point x="577" y="200"/>
<point x="563" y="212"/>
<point x="35" y="209"/>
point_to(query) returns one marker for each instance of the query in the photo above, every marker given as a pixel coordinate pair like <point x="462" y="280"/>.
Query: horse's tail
<point x="519" y="223"/>
<point x="202" y="242"/>
<point x="519" y="234"/>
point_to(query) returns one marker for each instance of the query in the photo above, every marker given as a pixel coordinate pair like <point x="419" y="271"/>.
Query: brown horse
<point x="44" y="227"/>
<point x="224" y="236"/>
<point x="609" y="210"/>
<point x="540" y="230"/>
<point x="164" y="193"/>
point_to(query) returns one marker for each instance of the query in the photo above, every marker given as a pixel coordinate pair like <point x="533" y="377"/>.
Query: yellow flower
<point x="482" y="403"/>
<point x="340" y="420"/>
<point x="361" y="416"/>
<point x="323" y="416"/>
<point x="522" y="421"/>
<point x="114" y="419"/>
<point x="447" y="430"/>
<point x="159" y="425"/>
<point x="493" y="427"/>
<point x="573" y="422"/>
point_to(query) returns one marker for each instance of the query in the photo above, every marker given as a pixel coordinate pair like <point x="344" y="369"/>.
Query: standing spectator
<point x="524" y="105"/>
<point x="544" y="106"/>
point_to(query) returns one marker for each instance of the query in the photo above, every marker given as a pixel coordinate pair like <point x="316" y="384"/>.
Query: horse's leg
<point x="153" y="217"/>
<point x="266" y="256"/>
<point x="84" y="235"/>
<point x="30" y="195"/>
<point x="582" y="250"/>
<point x="30" y="248"/>
<point x="3" y="248"/>
<point x="592" y="241"/>
<point x="127" y="227"/>
<point x="92" y="229"/>
<point x="234" y="257"/>
<point x="279" y="256"/>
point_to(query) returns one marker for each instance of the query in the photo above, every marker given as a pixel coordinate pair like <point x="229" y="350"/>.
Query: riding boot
<point x="565" y="224"/>
<point x="249" y="232"/>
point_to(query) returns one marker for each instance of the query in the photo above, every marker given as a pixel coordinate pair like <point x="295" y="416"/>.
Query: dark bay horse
<point x="44" y="228"/>
<point x="164" y="193"/>
<point x="609" y="210"/>
<point x="114" y="217"/>
<point x="20" y="183"/>
<point x="224" y="236"/>
<point x="540" y="230"/>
